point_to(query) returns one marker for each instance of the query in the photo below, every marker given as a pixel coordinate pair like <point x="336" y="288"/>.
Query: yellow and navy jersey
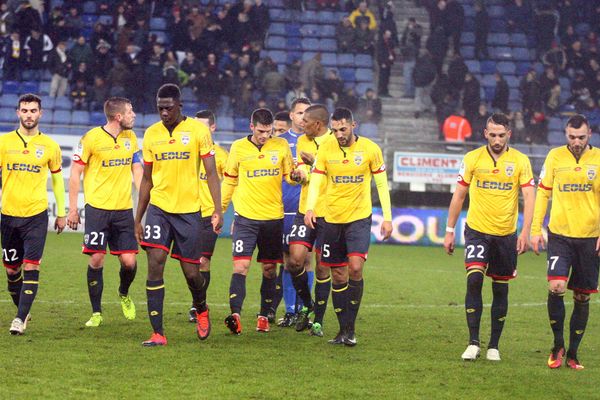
<point x="175" y="158"/>
<point x="207" y="207"/>
<point x="258" y="172"/>
<point x="25" y="162"/>
<point x="575" y="190"/>
<point x="348" y="171"/>
<point x="311" y="146"/>
<point x="107" y="164"/>
<point x="494" y="189"/>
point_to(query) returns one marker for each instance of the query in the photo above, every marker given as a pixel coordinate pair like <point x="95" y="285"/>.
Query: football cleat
<point x="234" y="324"/>
<point x="27" y="319"/>
<point x="303" y="318"/>
<point x="349" y="339"/>
<point x="17" y="327"/>
<point x="573" y="363"/>
<point x="155" y="340"/>
<point x="338" y="339"/>
<point x="271" y="316"/>
<point x="555" y="359"/>
<point x="471" y="353"/>
<point x="95" y="321"/>
<point x="262" y="324"/>
<point x="128" y="307"/>
<point x="192" y="314"/>
<point x="493" y="355"/>
<point x="203" y="325"/>
<point x="316" y="330"/>
<point x="288" y="320"/>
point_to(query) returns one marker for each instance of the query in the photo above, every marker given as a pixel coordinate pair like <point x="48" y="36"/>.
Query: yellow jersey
<point x="107" y="161"/>
<point x="207" y="207"/>
<point x="175" y="158"/>
<point x="311" y="146"/>
<point x="575" y="189"/>
<point x="494" y="189"/>
<point x="258" y="174"/>
<point x="348" y="171"/>
<point x="25" y="163"/>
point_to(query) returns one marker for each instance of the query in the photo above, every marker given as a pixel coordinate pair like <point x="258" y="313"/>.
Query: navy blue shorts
<point x="208" y="238"/>
<point x="288" y="221"/>
<point x="305" y="235"/>
<point x="114" y="228"/>
<point x="497" y="253"/>
<point x="183" y="231"/>
<point x="340" y="241"/>
<point x="23" y="239"/>
<point x="575" y="260"/>
<point x="250" y="233"/>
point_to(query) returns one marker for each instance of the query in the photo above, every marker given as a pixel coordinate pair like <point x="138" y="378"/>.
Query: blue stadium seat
<point x="292" y="56"/>
<point x="308" y="55"/>
<point x="138" y="125"/>
<point x="523" y="67"/>
<point x="467" y="38"/>
<point x="595" y="140"/>
<point x="89" y="20"/>
<point x="473" y="66"/>
<point x="309" y="17"/>
<point x="310" y="30"/>
<point x="293" y="30"/>
<point x="276" y="3"/>
<point x="363" y="60"/>
<point x="364" y="75"/>
<point x="47" y="116"/>
<point x="468" y="52"/>
<point x="47" y="102"/>
<point x="514" y="95"/>
<point x="565" y="83"/>
<point x="518" y="40"/>
<point x="105" y="19"/>
<point x="513" y="81"/>
<point x="278" y="15"/>
<point x="497" y="25"/>
<point x="326" y="31"/>
<point x="191" y="108"/>
<point x="240" y="125"/>
<point x="556" y="138"/>
<point x="368" y="129"/>
<point x="514" y="105"/>
<point x="310" y="44"/>
<point x="89" y="7"/>
<point x="9" y="100"/>
<point x="487" y="67"/>
<point x="347" y="74"/>
<point x="488" y="81"/>
<point x="225" y="124"/>
<point x="293" y="43"/>
<point x="329" y="59"/>
<point x="506" y="67"/>
<point x="277" y="28"/>
<point x="555" y="124"/>
<point x="29" y="87"/>
<point x="503" y="53"/>
<point x="276" y="42"/>
<point x="328" y="45"/>
<point x="582" y="28"/>
<point x="278" y="56"/>
<point x="149" y="119"/>
<point x="495" y="11"/>
<point x="44" y="88"/>
<point x="62" y="117"/>
<point x="161" y="36"/>
<point x="158" y="24"/>
<point x="345" y="59"/>
<point x="328" y="17"/>
<point x="187" y="94"/>
<point x="521" y="54"/>
<point x="98" y="118"/>
<point x="10" y="87"/>
<point x="62" y="103"/>
<point x="469" y="25"/>
<point x="488" y="93"/>
<point x="7" y="114"/>
<point x="80" y="117"/>
<point x="469" y="10"/>
<point x="362" y="87"/>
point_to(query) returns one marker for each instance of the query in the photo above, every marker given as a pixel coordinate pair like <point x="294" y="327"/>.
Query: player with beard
<point x="492" y="176"/>
<point x="26" y="156"/>
<point x="107" y="156"/>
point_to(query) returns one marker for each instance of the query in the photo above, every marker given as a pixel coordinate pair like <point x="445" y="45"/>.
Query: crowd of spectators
<point x="211" y="50"/>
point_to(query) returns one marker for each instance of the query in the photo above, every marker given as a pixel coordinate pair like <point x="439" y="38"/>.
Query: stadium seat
<point x="158" y="24"/>
<point x="518" y="40"/>
<point x="44" y="88"/>
<point x="488" y="81"/>
<point x="467" y="38"/>
<point x="565" y="83"/>
<point x="468" y="52"/>
<point x="495" y="11"/>
<point x="149" y="119"/>
<point x="7" y="114"/>
<point x="48" y="102"/>
<point x="98" y="118"/>
<point x="310" y="44"/>
<point x="555" y="124"/>
<point x="469" y="10"/>
<point x="277" y="28"/>
<point x="310" y="30"/>
<point x="308" y="55"/>
<point x="497" y="25"/>
<point x="278" y="15"/>
<point x="105" y="19"/>
<point x="506" y="67"/>
<point x="29" y="87"/>
<point x="293" y="30"/>
<point x="187" y="94"/>
<point x="62" y="117"/>
<point x="368" y="129"/>
<point x="345" y="59"/>
<point x="226" y="137"/>
<point x="89" y="7"/>
<point x="328" y="45"/>
<point x="277" y="3"/>
<point x="363" y="60"/>
<point x="276" y="42"/>
<point x="556" y="138"/>
<point x="503" y="53"/>
<point x="582" y="28"/>
<point x="473" y="66"/>
<point x="278" y="56"/>
<point x="362" y="87"/>
<point x="89" y="20"/>
<point x="309" y="17"/>
<point x="161" y="36"/>
<point x="293" y="43"/>
<point x="328" y="17"/>
<point x="138" y="125"/>
<point x="80" y="117"/>
<point x="521" y="54"/>
<point x="225" y="124"/>
<point x="488" y="67"/>
<point x="326" y="31"/>
<point x="347" y="74"/>
<point x="513" y="81"/>
<point x="10" y="87"/>
<point x="292" y="56"/>
<point x="364" y="75"/>
<point x="514" y="94"/>
<point x="329" y="59"/>
<point x="240" y="125"/>
<point x="514" y="105"/>
<point x="523" y="67"/>
<point x="595" y="140"/>
<point x="62" y="103"/>
<point x="469" y="25"/>
<point x="9" y="100"/>
<point x="488" y="93"/>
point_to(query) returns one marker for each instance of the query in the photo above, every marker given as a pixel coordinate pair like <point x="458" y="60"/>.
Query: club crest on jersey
<point x="86" y="238"/>
<point x="509" y="170"/>
<point x="185" y="139"/>
<point x="358" y="158"/>
<point x="274" y="157"/>
<point x="127" y="144"/>
<point x="39" y="152"/>
<point x="591" y="174"/>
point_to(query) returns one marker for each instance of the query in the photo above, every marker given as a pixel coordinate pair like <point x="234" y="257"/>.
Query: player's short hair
<point x="283" y="116"/>
<point x="169" y="90"/>
<point x="207" y="114"/>
<point x="577" y="120"/>
<point x="262" y="116"/>
<point x="30" y="98"/>
<point x="499" y="119"/>
<point x="318" y="112"/>
<point x="115" y="105"/>
<point x="299" y="100"/>
<point x="341" y="113"/>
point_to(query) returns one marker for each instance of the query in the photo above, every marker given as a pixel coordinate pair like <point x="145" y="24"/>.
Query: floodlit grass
<point x="411" y="333"/>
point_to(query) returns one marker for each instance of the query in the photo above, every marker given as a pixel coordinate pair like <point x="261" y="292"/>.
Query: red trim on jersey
<point x="210" y="154"/>
<point x="474" y="264"/>
<point x="229" y="176"/>
<point x="34" y="262"/>
<point x="318" y="171"/>
<point x="557" y="278"/>
<point x="187" y="260"/>
<point x="85" y="250"/>
<point x="206" y="253"/>
<point x="333" y="265"/>
<point x="56" y="172"/>
<point x="12" y="266"/>
<point x="362" y="255"/>
<point x="155" y="246"/>
<point x="78" y="161"/>
<point x="584" y="291"/>
<point x="461" y="181"/>
<point x="118" y="252"/>
<point x="263" y="261"/>
<point x="305" y="244"/>
<point x="147" y="162"/>
<point x="502" y="277"/>
<point x="544" y="187"/>
<point x="236" y="258"/>
<point x="380" y="170"/>
<point x="531" y="183"/>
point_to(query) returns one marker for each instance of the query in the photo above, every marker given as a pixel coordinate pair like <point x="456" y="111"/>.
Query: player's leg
<point x="270" y="253"/>
<point x="122" y="243"/>
<point x="208" y="240"/>
<point x="12" y="257"/>
<point x="322" y="289"/>
<point x="14" y="279"/>
<point x="95" y="284"/>
<point x="287" y="287"/>
<point x="127" y="274"/>
<point x="244" y="237"/>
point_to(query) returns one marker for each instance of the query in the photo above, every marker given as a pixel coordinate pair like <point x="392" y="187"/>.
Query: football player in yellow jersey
<point x="492" y="176"/>
<point x="26" y="156"/>
<point x="107" y="156"/>
<point x="570" y="178"/>
<point x="302" y="238"/>
<point x="347" y="164"/>
<point x="256" y="167"/>
<point x="170" y="190"/>
<point x="208" y="237"/>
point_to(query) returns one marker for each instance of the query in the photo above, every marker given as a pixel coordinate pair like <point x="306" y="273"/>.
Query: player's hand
<point x="386" y="229"/>
<point x="73" y="219"/>
<point x="59" y="224"/>
<point x="307" y="158"/>
<point x="310" y="219"/>
<point x="523" y="243"/>
<point x="449" y="243"/>
<point x="139" y="232"/>
<point x="217" y="222"/>
<point x="537" y="243"/>
<point x="298" y="175"/>
<point x="598" y="246"/>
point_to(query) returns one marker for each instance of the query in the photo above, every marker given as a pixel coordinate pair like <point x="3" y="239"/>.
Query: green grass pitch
<point x="411" y="332"/>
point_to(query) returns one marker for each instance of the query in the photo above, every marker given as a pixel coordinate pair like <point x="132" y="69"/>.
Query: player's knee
<point x="339" y="275"/>
<point x="30" y="267"/>
<point x="269" y="271"/>
<point x="557" y="287"/>
<point x="581" y="297"/>
<point x="13" y="271"/>
<point x="241" y="267"/>
<point x="322" y="272"/>
<point x="96" y="260"/>
<point x="128" y="261"/>
<point x="474" y="279"/>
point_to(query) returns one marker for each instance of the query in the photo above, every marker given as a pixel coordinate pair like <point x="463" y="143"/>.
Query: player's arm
<point x="319" y="173"/>
<point x="214" y="186"/>
<point x="456" y="204"/>
<point x="58" y="187"/>
<point x="383" y="191"/>
<point x="544" y="193"/>
<point x="523" y="242"/>
<point x="77" y="168"/>
<point x="137" y="170"/>
<point x="143" y="199"/>
<point x="230" y="178"/>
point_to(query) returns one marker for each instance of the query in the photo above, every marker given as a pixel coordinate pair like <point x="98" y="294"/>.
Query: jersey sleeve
<point x="547" y="174"/>
<point x="376" y="164"/>
<point x="232" y="167"/>
<point x="134" y="144"/>
<point x="221" y="159"/>
<point x="83" y="151"/>
<point x="465" y="173"/>
<point x="320" y="167"/>
<point x="55" y="162"/>
<point x="287" y="162"/>
<point x="206" y="146"/>
<point x="146" y="150"/>
<point x="526" y="177"/>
